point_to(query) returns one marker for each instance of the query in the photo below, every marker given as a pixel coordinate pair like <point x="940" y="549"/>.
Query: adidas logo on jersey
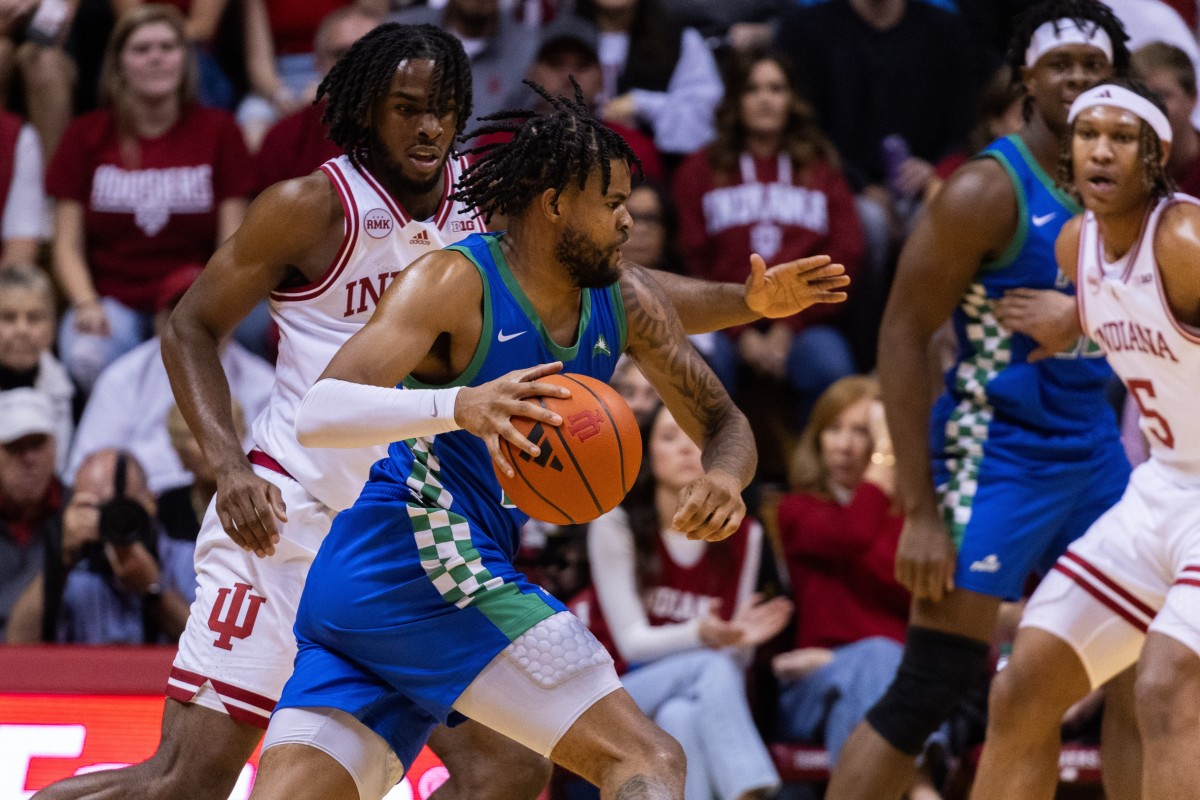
<point x="378" y="223"/>
<point x="420" y="238"/>
<point x="988" y="564"/>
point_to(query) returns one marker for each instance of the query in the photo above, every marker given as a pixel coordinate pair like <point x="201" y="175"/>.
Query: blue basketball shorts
<point x="1013" y="516"/>
<point x="403" y="608"/>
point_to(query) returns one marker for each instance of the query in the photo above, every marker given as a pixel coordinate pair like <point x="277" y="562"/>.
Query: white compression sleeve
<point x="342" y="414"/>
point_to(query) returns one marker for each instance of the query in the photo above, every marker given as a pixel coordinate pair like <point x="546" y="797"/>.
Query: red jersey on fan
<point x="681" y="593"/>
<point x="765" y="207"/>
<point x="294" y="23"/>
<point x="143" y="221"/>
<point x="294" y="147"/>
<point x="841" y="561"/>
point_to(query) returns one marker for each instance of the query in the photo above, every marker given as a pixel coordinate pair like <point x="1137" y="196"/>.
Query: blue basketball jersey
<point x="994" y="396"/>
<point x="454" y="470"/>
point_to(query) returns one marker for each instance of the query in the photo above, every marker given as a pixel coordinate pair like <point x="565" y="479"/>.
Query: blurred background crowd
<point x="133" y="137"/>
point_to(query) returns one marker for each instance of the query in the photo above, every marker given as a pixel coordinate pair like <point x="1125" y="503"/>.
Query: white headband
<point x="1061" y="32"/>
<point x="1106" y="94"/>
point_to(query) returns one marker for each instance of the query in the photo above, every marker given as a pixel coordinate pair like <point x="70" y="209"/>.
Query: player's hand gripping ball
<point x="586" y="465"/>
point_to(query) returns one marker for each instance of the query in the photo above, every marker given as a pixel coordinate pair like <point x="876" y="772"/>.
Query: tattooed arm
<point x="710" y="507"/>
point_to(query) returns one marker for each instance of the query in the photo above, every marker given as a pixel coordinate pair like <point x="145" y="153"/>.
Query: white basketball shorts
<point x="1136" y="570"/>
<point x="237" y="650"/>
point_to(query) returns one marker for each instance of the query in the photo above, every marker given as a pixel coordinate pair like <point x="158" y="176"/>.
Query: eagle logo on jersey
<point x="601" y="347"/>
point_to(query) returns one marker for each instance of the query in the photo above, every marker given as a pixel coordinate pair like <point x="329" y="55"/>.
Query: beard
<point x="589" y="265"/>
<point x="382" y="160"/>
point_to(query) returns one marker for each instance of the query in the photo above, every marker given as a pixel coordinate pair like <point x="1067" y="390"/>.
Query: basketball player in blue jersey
<point x="413" y="613"/>
<point x="320" y="248"/>
<point x="1021" y="452"/>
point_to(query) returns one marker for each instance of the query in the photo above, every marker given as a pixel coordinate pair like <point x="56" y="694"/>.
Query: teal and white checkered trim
<point x="426" y="470"/>
<point x="990" y="345"/>
<point x="448" y="555"/>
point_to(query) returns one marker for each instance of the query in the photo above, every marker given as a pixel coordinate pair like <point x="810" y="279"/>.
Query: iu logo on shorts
<point x="225" y="622"/>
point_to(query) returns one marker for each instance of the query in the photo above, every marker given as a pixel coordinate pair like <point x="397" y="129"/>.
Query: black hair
<point x="364" y="74"/>
<point x="546" y="151"/>
<point x="1087" y="14"/>
<point x="1150" y="149"/>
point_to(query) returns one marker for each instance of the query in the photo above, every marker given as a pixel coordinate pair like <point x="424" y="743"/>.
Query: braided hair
<point x="1086" y="14"/>
<point x="546" y="151"/>
<point x="1150" y="149"/>
<point x="364" y="74"/>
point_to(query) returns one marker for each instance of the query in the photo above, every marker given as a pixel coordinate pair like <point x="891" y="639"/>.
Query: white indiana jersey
<point x="1123" y="307"/>
<point x="314" y="320"/>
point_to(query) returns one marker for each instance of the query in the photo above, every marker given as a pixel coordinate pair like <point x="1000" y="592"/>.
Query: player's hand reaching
<point x="248" y="507"/>
<point x="710" y="507"/>
<point x="487" y="410"/>
<point x="793" y="286"/>
<point x="1048" y="316"/>
<point x="925" y="557"/>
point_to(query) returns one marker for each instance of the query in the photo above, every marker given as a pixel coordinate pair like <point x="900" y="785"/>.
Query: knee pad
<point x="937" y="670"/>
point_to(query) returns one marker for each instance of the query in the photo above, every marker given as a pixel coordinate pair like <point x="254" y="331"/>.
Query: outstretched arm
<point x="290" y="223"/>
<point x="781" y="291"/>
<point x="711" y="507"/>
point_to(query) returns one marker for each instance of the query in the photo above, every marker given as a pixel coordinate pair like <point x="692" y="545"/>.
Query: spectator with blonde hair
<point x="839" y="535"/>
<point x="146" y="184"/>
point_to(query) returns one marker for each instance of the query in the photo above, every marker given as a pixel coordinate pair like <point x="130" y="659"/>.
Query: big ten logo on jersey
<point x="462" y="225"/>
<point x="362" y="295"/>
<point x="378" y="223"/>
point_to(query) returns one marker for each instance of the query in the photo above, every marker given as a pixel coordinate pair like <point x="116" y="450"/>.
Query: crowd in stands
<point x="134" y="136"/>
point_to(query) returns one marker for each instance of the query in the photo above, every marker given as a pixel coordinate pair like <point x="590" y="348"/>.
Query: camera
<point x="123" y="520"/>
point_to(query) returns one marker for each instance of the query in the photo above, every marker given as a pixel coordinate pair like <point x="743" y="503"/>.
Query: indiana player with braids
<point x="413" y="613"/>
<point x="1126" y="592"/>
<point x="322" y="250"/>
<point x="1021" y="452"/>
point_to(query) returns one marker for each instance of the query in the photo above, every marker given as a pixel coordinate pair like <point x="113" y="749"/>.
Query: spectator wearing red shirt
<point x="839" y="535"/>
<point x="1168" y="72"/>
<point x="770" y="185"/>
<point x="147" y="184"/>
<point x="298" y="143"/>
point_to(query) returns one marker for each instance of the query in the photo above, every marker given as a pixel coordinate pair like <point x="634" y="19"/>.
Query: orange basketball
<point x="586" y="465"/>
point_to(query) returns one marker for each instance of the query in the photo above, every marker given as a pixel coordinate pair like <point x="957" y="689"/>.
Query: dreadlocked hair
<point x="1085" y="13"/>
<point x="364" y="74"/>
<point x="546" y="151"/>
<point x="1159" y="182"/>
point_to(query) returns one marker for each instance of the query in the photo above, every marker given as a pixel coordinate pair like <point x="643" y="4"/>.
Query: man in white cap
<point x="1021" y="452"/>
<point x="1127" y="591"/>
<point x="30" y="495"/>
